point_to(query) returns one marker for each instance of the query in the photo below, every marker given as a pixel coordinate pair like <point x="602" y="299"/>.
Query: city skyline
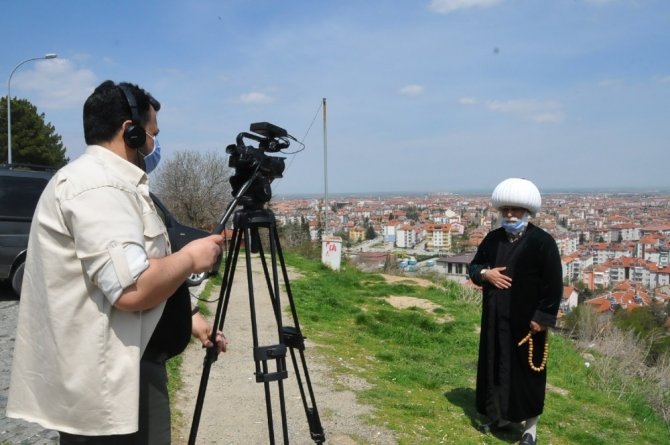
<point x="422" y="97"/>
<point x="479" y="193"/>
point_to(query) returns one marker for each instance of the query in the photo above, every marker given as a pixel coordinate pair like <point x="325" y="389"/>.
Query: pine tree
<point x="33" y="140"/>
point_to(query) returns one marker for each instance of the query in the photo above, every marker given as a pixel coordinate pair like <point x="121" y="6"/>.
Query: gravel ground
<point x="234" y="411"/>
<point x="14" y="431"/>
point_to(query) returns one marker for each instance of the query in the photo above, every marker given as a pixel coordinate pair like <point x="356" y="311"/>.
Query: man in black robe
<point x="519" y="269"/>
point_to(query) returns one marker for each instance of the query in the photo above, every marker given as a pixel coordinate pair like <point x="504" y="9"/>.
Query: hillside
<point x="420" y="359"/>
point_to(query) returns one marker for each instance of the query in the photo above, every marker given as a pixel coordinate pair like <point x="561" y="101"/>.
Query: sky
<point x="421" y="96"/>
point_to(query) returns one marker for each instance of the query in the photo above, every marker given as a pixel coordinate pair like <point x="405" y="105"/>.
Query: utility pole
<point x="325" y="168"/>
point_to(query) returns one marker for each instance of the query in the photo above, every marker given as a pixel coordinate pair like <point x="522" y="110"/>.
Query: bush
<point x="622" y="364"/>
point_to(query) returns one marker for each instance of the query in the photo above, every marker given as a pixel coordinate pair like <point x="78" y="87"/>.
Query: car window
<point x="19" y="196"/>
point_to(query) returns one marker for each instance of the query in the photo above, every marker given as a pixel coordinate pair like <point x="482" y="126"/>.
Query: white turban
<point x="517" y="192"/>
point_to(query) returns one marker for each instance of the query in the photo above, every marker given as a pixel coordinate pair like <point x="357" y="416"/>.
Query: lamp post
<point x="9" y="102"/>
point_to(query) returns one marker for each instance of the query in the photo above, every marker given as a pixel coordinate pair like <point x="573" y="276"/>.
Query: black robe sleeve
<point x="482" y="260"/>
<point x="552" y="284"/>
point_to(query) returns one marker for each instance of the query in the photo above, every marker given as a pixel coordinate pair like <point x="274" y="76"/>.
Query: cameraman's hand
<point x="202" y="330"/>
<point x="204" y="252"/>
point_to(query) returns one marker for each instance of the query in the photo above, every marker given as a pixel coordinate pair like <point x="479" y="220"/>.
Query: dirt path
<point x="418" y="281"/>
<point x="234" y="411"/>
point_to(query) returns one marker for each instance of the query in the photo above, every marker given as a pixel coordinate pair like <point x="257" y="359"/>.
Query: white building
<point x="389" y="233"/>
<point x="566" y="243"/>
<point x="405" y="237"/>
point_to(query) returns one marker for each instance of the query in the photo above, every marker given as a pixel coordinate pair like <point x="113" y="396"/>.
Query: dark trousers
<point x="154" y="421"/>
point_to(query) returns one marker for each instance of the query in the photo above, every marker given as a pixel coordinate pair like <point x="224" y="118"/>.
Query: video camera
<point x="253" y="162"/>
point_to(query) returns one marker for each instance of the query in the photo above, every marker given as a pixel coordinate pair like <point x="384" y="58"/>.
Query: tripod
<point x="249" y="223"/>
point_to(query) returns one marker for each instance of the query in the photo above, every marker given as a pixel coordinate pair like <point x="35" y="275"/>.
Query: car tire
<point x="17" y="277"/>
<point x="195" y="279"/>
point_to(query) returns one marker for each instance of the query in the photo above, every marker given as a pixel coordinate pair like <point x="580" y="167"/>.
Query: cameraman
<point x="98" y="273"/>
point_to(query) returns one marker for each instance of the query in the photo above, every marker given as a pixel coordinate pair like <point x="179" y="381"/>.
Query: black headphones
<point x="135" y="136"/>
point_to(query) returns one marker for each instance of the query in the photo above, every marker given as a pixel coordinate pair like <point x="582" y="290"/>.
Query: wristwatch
<point x="483" y="272"/>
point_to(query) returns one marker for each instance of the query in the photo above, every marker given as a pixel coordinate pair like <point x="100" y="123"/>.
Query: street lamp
<point x="9" y="103"/>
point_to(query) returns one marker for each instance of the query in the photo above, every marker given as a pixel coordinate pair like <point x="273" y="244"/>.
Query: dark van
<point x="20" y="189"/>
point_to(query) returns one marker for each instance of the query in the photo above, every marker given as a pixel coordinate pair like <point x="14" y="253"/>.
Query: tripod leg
<point x="293" y="338"/>
<point x="263" y="354"/>
<point x="211" y="355"/>
<point x="271" y="291"/>
<point x="274" y="293"/>
<point x="273" y="238"/>
<point x="290" y="336"/>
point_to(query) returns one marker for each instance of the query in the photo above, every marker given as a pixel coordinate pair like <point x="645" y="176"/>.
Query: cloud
<point x="256" y="97"/>
<point x="665" y="79"/>
<point x="447" y="6"/>
<point x="411" y="90"/>
<point x="468" y="101"/>
<point x="58" y="83"/>
<point x="537" y="111"/>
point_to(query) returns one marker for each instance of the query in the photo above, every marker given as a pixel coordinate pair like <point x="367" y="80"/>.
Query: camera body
<point x="253" y="164"/>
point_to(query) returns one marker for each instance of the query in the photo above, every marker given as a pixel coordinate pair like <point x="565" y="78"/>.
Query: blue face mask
<point x="515" y="226"/>
<point x="152" y="159"/>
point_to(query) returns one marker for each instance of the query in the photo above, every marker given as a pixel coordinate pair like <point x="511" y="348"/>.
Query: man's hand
<point x="536" y="327"/>
<point x="204" y="252"/>
<point x="497" y="278"/>
<point x="203" y="331"/>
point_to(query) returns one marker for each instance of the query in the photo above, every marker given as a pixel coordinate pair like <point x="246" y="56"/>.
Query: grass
<point x="422" y="370"/>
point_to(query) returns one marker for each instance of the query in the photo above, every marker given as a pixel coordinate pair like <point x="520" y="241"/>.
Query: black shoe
<point x="493" y="427"/>
<point x="527" y="439"/>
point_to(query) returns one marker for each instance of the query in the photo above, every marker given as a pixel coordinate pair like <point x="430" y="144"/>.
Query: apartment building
<point x="596" y="276"/>
<point x="567" y="243"/>
<point x="574" y="265"/>
<point x="438" y="237"/>
<point x="406" y="237"/>
<point x="603" y="252"/>
<point x="388" y="232"/>
<point x="356" y="234"/>
<point x="625" y="232"/>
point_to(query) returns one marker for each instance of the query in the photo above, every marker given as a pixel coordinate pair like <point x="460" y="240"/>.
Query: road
<point x="377" y="245"/>
<point x="14" y="431"/>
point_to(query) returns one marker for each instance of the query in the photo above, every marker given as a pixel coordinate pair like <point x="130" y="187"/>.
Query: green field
<point x="422" y="364"/>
